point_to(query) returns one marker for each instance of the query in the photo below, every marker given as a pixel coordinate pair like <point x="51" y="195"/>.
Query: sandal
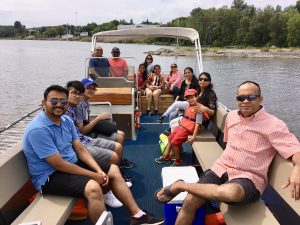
<point x="168" y="195"/>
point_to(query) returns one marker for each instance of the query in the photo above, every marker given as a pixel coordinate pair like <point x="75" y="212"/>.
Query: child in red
<point x="189" y="125"/>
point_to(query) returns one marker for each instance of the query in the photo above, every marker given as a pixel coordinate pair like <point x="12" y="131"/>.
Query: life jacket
<point x="189" y="118"/>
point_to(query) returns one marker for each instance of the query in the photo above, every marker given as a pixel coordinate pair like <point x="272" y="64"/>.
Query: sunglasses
<point x="173" y="66"/>
<point x="62" y="101"/>
<point x="99" y="50"/>
<point x="149" y="58"/>
<point x="250" y="98"/>
<point x="204" y="79"/>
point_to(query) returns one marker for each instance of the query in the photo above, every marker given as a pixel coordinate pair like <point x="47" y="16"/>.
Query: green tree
<point x="294" y="31"/>
<point x="298" y="6"/>
<point x="239" y="5"/>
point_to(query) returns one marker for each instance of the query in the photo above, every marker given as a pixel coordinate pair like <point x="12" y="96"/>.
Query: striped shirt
<point x="252" y="143"/>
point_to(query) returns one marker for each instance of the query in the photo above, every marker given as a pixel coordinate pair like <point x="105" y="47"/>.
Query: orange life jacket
<point x="189" y="118"/>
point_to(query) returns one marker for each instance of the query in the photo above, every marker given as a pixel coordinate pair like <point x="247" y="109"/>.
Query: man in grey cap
<point x="119" y="67"/>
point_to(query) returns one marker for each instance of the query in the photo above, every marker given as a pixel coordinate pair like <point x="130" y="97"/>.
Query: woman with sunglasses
<point x="190" y="82"/>
<point x="148" y="64"/>
<point x="154" y="85"/>
<point x="173" y="80"/>
<point x="207" y="97"/>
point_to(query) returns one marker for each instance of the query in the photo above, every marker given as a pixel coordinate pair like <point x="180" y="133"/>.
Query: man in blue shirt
<point x="59" y="164"/>
<point x="99" y="67"/>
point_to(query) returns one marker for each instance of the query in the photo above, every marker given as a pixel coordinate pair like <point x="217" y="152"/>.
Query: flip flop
<point x="167" y="193"/>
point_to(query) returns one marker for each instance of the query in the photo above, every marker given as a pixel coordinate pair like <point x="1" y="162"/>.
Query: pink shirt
<point x="118" y="66"/>
<point x="175" y="79"/>
<point x="251" y="145"/>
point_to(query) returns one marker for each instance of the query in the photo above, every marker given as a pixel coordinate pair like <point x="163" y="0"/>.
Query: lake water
<point x="28" y="67"/>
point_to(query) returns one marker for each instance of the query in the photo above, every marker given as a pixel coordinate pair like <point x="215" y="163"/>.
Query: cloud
<point x="56" y="12"/>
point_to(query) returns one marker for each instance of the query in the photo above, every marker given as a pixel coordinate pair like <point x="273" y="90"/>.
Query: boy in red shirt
<point x="189" y="125"/>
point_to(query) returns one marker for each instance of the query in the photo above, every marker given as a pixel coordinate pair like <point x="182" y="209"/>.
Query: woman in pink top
<point x="173" y="80"/>
<point x="140" y="79"/>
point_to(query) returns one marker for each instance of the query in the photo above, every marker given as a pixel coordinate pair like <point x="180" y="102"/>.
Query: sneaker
<point x="162" y="160"/>
<point x="146" y="219"/>
<point x="177" y="164"/>
<point x="111" y="200"/>
<point x="129" y="184"/>
<point x="126" y="177"/>
<point x="161" y="119"/>
<point x="125" y="163"/>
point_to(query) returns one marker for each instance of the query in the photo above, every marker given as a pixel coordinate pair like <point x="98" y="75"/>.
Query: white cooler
<point x="171" y="209"/>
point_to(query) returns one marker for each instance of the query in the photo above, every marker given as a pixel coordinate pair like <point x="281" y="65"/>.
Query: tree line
<point x="240" y="25"/>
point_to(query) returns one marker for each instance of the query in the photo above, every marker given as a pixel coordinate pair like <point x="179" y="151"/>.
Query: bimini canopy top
<point x="142" y="33"/>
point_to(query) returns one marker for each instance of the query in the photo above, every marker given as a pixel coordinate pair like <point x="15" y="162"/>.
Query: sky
<point x="36" y="13"/>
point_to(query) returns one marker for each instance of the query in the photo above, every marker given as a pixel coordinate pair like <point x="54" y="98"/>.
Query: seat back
<point x="114" y="82"/>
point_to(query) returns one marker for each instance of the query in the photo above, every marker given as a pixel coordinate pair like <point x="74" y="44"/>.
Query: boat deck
<point x="147" y="173"/>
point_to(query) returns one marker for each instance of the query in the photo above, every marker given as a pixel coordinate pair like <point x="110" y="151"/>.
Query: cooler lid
<point x="171" y="174"/>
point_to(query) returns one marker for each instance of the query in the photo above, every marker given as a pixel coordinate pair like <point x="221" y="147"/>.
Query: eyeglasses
<point x="173" y="66"/>
<point x="91" y="88"/>
<point x="203" y="79"/>
<point x="54" y="101"/>
<point x="76" y="94"/>
<point x="250" y="98"/>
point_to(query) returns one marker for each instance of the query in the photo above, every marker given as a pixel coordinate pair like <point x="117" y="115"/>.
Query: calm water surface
<point x="28" y="67"/>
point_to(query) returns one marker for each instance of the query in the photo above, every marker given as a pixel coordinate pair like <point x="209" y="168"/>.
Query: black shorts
<point x="66" y="184"/>
<point x="251" y="193"/>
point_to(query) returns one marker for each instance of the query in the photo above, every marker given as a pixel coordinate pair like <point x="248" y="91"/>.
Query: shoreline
<point x="264" y="52"/>
<point x="283" y="53"/>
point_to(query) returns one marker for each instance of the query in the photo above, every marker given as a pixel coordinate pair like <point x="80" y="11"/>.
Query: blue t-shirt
<point x="43" y="138"/>
<point x="101" y="66"/>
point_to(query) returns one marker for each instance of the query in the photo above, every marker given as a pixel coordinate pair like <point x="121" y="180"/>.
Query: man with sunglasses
<point x="59" y="164"/>
<point x="253" y="137"/>
<point x="99" y="67"/>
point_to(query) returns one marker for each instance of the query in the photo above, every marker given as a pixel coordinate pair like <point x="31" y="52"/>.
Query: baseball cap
<point x="87" y="82"/>
<point x="190" y="92"/>
<point x="115" y="49"/>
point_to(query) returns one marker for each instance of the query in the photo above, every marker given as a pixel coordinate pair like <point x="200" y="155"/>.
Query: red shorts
<point x="178" y="136"/>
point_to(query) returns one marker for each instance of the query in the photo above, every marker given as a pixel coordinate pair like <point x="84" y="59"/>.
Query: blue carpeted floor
<point x="147" y="173"/>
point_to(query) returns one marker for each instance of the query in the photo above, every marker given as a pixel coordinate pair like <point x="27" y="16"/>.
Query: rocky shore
<point x="231" y="52"/>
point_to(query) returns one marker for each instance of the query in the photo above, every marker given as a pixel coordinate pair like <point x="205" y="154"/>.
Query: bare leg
<point x="176" y="151"/>
<point x="148" y="98"/>
<point x="229" y="192"/>
<point x="120" y="137"/>
<point x="119" y="151"/>
<point x="156" y="94"/>
<point x="188" y="210"/>
<point x="168" y="149"/>
<point x="121" y="190"/>
<point x="94" y="195"/>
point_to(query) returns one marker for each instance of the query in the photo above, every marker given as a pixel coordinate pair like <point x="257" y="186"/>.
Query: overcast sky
<point x="35" y="13"/>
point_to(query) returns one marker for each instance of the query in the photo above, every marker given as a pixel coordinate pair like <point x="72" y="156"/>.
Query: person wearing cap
<point x="189" y="125"/>
<point x="99" y="67"/>
<point x="119" y="67"/>
<point x="87" y="126"/>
